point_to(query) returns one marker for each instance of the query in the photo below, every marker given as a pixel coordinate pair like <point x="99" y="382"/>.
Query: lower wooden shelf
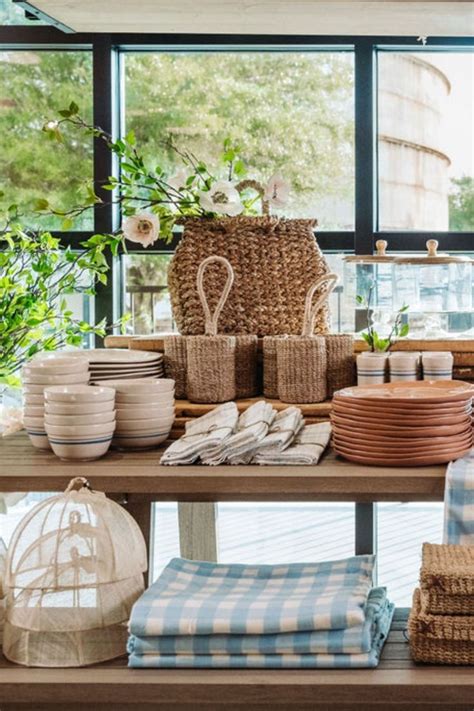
<point x="397" y="684"/>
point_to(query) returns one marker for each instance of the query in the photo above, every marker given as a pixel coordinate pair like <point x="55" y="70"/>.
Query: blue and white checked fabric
<point x="354" y="640"/>
<point x="368" y="659"/>
<point x="196" y="598"/>
<point x="459" y="501"/>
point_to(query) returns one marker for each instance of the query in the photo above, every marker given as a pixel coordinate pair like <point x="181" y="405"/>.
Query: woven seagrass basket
<point x="175" y="362"/>
<point x="275" y="261"/>
<point x="301" y="361"/>
<point x="447" y="579"/>
<point x="340" y="362"/>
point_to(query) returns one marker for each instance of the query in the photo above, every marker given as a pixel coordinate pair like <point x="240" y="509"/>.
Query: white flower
<point x="143" y="228"/>
<point x="277" y="191"/>
<point x="178" y="180"/>
<point x="51" y="125"/>
<point x="222" y="198"/>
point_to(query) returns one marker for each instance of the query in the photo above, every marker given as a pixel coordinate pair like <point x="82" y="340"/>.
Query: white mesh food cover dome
<point x="3" y="558"/>
<point x="74" y="569"/>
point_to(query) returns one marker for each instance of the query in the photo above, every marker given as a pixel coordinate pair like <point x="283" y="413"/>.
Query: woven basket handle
<point x="211" y="319"/>
<point x="310" y="309"/>
<point x="258" y="187"/>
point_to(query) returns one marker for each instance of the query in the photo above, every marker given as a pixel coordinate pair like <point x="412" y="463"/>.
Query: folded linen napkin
<point x="353" y="640"/>
<point x="192" y="598"/>
<point x="252" y="427"/>
<point x="367" y="659"/>
<point x="307" y="448"/>
<point x="459" y="501"/>
<point x="203" y="434"/>
<point x="284" y="428"/>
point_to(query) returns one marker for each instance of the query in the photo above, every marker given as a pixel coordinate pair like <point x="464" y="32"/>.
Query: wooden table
<point x="136" y="479"/>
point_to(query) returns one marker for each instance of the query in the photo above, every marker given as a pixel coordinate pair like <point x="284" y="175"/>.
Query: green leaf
<point x="73" y="108"/>
<point x="404" y="330"/>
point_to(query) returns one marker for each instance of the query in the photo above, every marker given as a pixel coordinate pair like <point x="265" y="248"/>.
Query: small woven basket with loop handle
<point x="340" y="362"/>
<point x="275" y="260"/>
<point x="175" y="362"/>
<point x="301" y="360"/>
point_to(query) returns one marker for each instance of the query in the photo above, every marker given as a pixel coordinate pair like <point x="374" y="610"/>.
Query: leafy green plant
<point x="194" y="191"/>
<point x="373" y="339"/>
<point x="36" y="276"/>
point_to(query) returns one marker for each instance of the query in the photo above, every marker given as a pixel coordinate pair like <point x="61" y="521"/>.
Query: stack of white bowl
<point x="145" y="412"/>
<point x="79" y="420"/>
<point x="40" y="374"/>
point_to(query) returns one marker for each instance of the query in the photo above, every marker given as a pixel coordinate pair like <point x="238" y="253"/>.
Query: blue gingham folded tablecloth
<point x="196" y="598"/>
<point x="353" y="640"/>
<point x="459" y="501"/>
<point x="368" y="659"/>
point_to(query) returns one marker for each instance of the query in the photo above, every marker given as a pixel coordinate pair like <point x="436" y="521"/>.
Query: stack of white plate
<point x="116" y="363"/>
<point x="145" y="412"/>
<point x="40" y="374"/>
<point x="79" y="420"/>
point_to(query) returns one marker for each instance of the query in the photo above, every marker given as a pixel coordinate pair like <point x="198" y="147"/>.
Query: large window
<point x="426" y="141"/>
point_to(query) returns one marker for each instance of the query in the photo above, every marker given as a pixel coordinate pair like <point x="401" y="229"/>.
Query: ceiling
<point x="287" y="17"/>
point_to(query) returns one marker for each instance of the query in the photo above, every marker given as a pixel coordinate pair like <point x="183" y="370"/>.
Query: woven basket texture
<point x="175" y="363"/>
<point x="301" y="369"/>
<point x="440" y="604"/>
<point x="210" y="368"/>
<point x="340" y="362"/>
<point x="246" y="366"/>
<point x="448" y="569"/>
<point x="275" y="261"/>
<point x="440" y="639"/>
<point x="270" y="373"/>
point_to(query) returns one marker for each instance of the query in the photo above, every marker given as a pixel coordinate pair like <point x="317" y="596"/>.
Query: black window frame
<point x="106" y="49"/>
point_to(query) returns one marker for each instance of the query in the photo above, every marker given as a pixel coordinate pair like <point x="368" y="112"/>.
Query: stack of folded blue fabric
<point x="316" y="615"/>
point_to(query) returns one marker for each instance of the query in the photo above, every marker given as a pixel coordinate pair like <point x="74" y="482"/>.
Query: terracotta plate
<point x="409" y="462"/>
<point x="401" y="443"/>
<point x="399" y="432"/>
<point x="378" y="423"/>
<point x="375" y="450"/>
<point x="408" y="410"/>
<point x="427" y="391"/>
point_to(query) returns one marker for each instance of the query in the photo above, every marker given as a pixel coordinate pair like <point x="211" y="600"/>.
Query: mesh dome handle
<point x="80" y="482"/>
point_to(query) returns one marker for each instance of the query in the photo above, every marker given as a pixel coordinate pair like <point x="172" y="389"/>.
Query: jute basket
<point x="440" y="639"/>
<point x="270" y="371"/>
<point x="301" y="360"/>
<point x="211" y="358"/>
<point x="246" y="346"/>
<point x="340" y="362"/>
<point x="175" y="363"/>
<point x="275" y="261"/>
<point x="447" y="579"/>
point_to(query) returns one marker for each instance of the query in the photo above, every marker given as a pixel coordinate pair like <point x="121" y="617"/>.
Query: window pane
<point x="146" y="295"/>
<point x="285" y="533"/>
<point x="34" y="85"/>
<point x="402" y="530"/>
<point x="426" y="141"/>
<point x="292" y="112"/>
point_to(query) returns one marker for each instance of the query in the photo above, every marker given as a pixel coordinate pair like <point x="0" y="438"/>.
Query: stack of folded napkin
<point x="316" y="615"/>
<point x="441" y="622"/>
<point x="260" y="435"/>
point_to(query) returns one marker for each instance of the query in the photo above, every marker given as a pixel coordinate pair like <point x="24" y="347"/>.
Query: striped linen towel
<point x="368" y="659"/>
<point x="203" y="434"/>
<point x="252" y="427"/>
<point x="459" y="501"/>
<point x="195" y="598"/>
<point x="353" y="640"/>
<point x="306" y="449"/>
<point x="283" y="430"/>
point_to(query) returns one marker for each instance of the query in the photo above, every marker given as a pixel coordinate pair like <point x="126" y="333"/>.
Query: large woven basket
<point x="440" y="639"/>
<point x="275" y="261"/>
<point x="447" y="579"/>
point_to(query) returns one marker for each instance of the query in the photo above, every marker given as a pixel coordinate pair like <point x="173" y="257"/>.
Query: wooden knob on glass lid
<point x="432" y="247"/>
<point x="381" y="247"/>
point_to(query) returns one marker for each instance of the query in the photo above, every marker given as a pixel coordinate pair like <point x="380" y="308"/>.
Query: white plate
<point x="111" y="365"/>
<point x="138" y="373"/>
<point x="116" y="355"/>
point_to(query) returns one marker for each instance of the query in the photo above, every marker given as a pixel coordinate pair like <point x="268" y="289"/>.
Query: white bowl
<point x="33" y="399"/>
<point x="56" y="366"/>
<point x="78" y="408"/>
<point x="39" y="439"/>
<point x="33" y="411"/>
<point x="157" y="424"/>
<point x="68" y="420"/>
<point x="34" y="423"/>
<point x="143" y="413"/>
<point x="79" y="431"/>
<point x="65" y="379"/>
<point x="78" y="393"/>
<point x="142" y="399"/>
<point x="147" y="441"/>
<point x="140" y="385"/>
<point x="81" y="451"/>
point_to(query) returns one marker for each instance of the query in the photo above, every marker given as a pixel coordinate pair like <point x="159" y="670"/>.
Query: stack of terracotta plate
<point x="403" y="424"/>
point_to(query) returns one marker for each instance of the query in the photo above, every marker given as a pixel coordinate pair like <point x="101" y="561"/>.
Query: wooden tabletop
<point x="23" y="468"/>
<point x="397" y="679"/>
